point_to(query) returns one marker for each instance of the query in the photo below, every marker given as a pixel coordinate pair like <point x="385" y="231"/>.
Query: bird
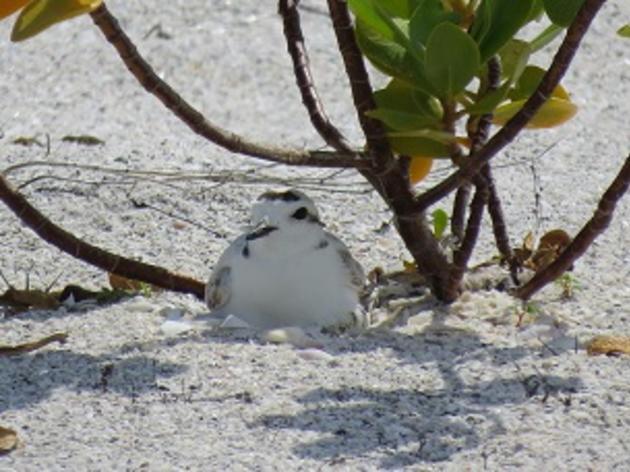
<point x="286" y="270"/>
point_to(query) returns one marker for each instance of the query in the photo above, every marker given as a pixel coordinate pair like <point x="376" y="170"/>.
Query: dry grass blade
<point x="33" y="345"/>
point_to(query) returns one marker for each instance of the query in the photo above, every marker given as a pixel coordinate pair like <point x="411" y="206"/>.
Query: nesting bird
<point x="287" y="270"/>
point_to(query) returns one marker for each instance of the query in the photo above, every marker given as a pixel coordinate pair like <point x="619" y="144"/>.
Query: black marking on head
<point x="323" y="244"/>
<point x="300" y="214"/>
<point x="260" y="233"/>
<point x="245" y="251"/>
<point x="288" y="196"/>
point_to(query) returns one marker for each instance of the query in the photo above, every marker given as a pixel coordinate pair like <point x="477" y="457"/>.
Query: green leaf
<point x="624" y="31"/>
<point x="391" y="58"/>
<point x="545" y="37"/>
<point x="536" y="12"/>
<point x="562" y="12"/>
<point x="497" y="21"/>
<point x="527" y="83"/>
<point x="514" y="56"/>
<point x="419" y="147"/>
<point x="490" y="101"/>
<point x="402" y="121"/>
<point x="388" y="56"/>
<point x="451" y="61"/>
<point x="427" y="16"/>
<point x="399" y="96"/>
<point x="440" y="222"/>
<point x="365" y="11"/>
<point x="443" y="137"/>
<point x="402" y="8"/>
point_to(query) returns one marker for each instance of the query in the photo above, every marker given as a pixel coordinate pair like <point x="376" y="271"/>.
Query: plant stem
<point x="304" y="77"/>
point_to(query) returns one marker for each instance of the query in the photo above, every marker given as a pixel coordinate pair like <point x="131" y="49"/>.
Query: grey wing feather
<point x="357" y="275"/>
<point x="218" y="288"/>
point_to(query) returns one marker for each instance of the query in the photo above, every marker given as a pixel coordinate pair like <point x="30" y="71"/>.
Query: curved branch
<point x="196" y="121"/>
<point x="301" y="69"/>
<point x="360" y="86"/>
<point x="559" y="66"/>
<point x="70" y="244"/>
<point x="595" y="226"/>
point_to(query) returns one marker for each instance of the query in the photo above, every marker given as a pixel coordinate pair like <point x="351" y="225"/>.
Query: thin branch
<point x="462" y="255"/>
<point x="460" y="204"/>
<point x="551" y="79"/>
<point x="360" y="85"/>
<point x="70" y="244"/>
<point x="591" y="230"/>
<point x="301" y="69"/>
<point x="196" y="121"/>
<point x="481" y="125"/>
<point x="495" y="210"/>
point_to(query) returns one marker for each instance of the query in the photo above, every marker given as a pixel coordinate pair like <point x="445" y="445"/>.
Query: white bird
<point x="287" y="271"/>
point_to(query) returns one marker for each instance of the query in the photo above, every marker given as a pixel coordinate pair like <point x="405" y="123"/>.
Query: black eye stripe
<point x="300" y="214"/>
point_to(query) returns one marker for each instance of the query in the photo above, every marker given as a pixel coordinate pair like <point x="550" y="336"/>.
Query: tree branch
<point x="373" y="129"/>
<point x="143" y="72"/>
<point x="463" y="253"/>
<point x="591" y="230"/>
<point x="304" y="78"/>
<point x="551" y="79"/>
<point x="70" y="244"/>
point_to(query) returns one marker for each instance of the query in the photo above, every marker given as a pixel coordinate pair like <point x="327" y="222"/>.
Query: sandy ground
<point x="459" y="388"/>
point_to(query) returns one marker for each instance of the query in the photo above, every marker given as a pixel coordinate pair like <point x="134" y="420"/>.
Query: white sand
<point x="458" y="389"/>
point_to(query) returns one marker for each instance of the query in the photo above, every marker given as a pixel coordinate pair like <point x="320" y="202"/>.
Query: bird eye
<point x="300" y="213"/>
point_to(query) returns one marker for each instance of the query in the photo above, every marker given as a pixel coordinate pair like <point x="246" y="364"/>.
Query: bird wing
<point x="219" y="287"/>
<point x="354" y="268"/>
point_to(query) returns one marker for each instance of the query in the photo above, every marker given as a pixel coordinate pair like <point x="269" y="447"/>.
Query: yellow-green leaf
<point x="554" y="112"/>
<point x="41" y="14"/>
<point x="8" y="7"/>
<point x="624" y="31"/>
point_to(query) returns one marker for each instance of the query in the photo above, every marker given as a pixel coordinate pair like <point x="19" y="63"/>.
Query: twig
<point x="301" y="69"/>
<point x="98" y="257"/>
<point x="499" y="227"/>
<point x="550" y="80"/>
<point x="495" y="209"/>
<point x="360" y="85"/>
<point x="196" y="121"/>
<point x="460" y="204"/>
<point x="463" y="253"/>
<point x="33" y="345"/>
<point x="591" y="230"/>
<point x="248" y="176"/>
